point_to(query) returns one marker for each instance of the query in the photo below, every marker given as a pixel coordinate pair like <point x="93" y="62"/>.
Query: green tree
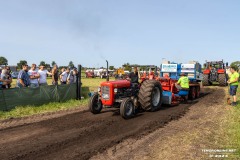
<point x="3" y="61"/>
<point x="127" y="67"/>
<point x="53" y="63"/>
<point x="111" y="67"/>
<point x="236" y="63"/>
<point x="47" y="66"/>
<point x="22" y="62"/>
<point x="42" y="63"/>
<point x="71" y="65"/>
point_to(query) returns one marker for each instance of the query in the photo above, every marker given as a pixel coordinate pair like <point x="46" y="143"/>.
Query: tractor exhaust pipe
<point x="107" y="72"/>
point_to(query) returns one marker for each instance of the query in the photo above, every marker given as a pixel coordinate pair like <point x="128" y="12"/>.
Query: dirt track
<point x="80" y="135"/>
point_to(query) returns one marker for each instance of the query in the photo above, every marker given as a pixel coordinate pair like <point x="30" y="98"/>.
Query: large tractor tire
<point x="222" y="79"/>
<point x="206" y="80"/>
<point x="197" y="92"/>
<point x="150" y="95"/>
<point x="95" y="105"/>
<point x="192" y="93"/>
<point x="127" y="108"/>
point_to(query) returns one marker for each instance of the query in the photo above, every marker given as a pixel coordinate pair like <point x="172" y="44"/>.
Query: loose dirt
<point x="187" y="138"/>
<point x="82" y="135"/>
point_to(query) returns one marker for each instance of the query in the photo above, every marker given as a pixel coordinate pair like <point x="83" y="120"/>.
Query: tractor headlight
<point x="105" y="96"/>
<point x="115" y="90"/>
<point x="99" y="89"/>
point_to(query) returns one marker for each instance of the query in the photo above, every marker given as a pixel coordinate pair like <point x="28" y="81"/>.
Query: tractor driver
<point x="183" y="82"/>
<point x="133" y="76"/>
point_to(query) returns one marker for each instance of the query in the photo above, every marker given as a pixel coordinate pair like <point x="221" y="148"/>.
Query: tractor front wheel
<point x="95" y="105"/>
<point x="127" y="108"/>
<point x="222" y="79"/>
<point x="206" y="80"/>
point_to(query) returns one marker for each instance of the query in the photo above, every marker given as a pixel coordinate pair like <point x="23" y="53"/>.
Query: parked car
<point x="15" y="75"/>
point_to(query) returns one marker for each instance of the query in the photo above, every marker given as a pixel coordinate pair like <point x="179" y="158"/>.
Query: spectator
<point x="72" y="76"/>
<point x="34" y="75"/>
<point x="233" y="82"/>
<point x="9" y="76"/>
<point x="23" y="77"/>
<point x="43" y="76"/>
<point x="5" y="78"/>
<point x="64" y="76"/>
<point x="55" y="75"/>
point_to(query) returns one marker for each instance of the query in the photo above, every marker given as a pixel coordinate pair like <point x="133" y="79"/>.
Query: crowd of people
<point x="38" y="77"/>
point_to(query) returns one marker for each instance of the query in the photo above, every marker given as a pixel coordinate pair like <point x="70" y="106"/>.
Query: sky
<point x="144" y="32"/>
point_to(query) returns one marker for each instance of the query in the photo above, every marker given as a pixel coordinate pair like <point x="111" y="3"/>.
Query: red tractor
<point x="89" y="74"/>
<point x="128" y="96"/>
<point x="215" y="71"/>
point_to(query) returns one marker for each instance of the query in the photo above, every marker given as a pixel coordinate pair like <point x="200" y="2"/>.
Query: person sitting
<point x="133" y="76"/>
<point x="183" y="82"/>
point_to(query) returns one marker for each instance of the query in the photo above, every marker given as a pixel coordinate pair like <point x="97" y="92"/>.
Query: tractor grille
<point x="105" y="92"/>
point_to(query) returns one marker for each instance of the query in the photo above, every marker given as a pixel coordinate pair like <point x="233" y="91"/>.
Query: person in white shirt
<point x="43" y="76"/>
<point x="34" y="75"/>
<point x="64" y="76"/>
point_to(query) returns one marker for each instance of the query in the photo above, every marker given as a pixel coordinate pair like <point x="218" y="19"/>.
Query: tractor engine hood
<point x="117" y="84"/>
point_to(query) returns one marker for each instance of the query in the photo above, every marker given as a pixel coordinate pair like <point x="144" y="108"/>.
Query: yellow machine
<point x="120" y="71"/>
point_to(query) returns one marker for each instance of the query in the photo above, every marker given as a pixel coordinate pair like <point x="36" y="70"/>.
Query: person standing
<point x="5" y="78"/>
<point x="64" y="76"/>
<point x="75" y="75"/>
<point x="23" y="77"/>
<point x="9" y="76"/>
<point x="233" y="82"/>
<point x="55" y="75"/>
<point x="43" y="76"/>
<point x="34" y="75"/>
<point x="72" y="76"/>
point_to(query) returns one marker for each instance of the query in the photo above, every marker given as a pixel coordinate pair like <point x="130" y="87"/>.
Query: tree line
<point x="4" y="61"/>
<point x="126" y="66"/>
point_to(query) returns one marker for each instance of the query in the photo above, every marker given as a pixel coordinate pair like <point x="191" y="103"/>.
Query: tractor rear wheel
<point x="206" y="80"/>
<point x="197" y="92"/>
<point x="222" y="79"/>
<point x="192" y="93"/>
<point x="150" y="95"/>
<point x="127" y="108"/>
<point x="95" y="105"/>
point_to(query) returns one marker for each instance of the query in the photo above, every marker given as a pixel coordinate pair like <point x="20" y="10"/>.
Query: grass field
<point x="233" y="127"/>
<point x="88" y="85"/>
